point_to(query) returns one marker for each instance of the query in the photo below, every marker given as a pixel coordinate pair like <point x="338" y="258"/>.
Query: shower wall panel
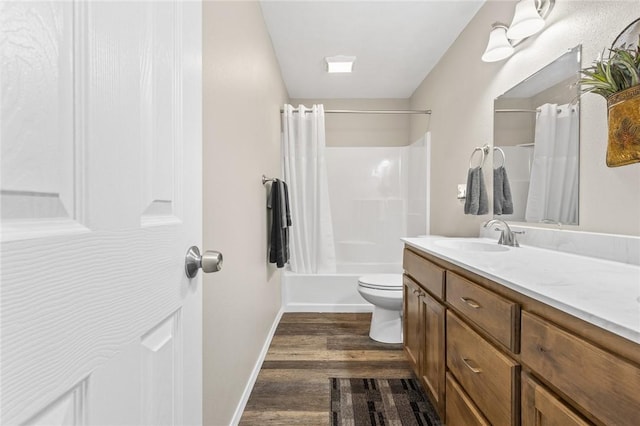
<point x="368" y="195"/>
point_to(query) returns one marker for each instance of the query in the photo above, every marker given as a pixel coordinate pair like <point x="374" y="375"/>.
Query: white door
<point x="101" y="198"/>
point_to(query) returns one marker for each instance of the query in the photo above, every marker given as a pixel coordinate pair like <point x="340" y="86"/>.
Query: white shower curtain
<point x="553" y="191"/>
<point x="303" y="144"/>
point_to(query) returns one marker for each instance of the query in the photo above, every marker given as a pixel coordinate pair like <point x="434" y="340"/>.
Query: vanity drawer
<point x="489" y="377"/>
<point x="539" y="406"/>
<point x="430" y="276"/>
<point x="494" y="314"/>
<point x="461" y="411"/>
<point x="606" y="386"/>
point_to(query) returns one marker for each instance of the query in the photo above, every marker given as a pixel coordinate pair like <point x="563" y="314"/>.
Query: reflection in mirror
<point x="536" y="140"/>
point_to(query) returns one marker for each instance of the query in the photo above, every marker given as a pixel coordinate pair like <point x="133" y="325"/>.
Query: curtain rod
<point x="524" y="110"/>
<point x="517" y="110"/>
<point x="357" y="111"/>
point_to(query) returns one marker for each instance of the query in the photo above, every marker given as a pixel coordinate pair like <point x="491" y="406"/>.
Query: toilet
<point x="384" y="292"/>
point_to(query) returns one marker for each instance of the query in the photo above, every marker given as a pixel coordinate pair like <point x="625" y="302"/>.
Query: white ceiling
<point x="396" y="43"/>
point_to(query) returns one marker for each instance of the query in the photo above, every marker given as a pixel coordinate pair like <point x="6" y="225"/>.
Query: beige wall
<point x="243" y="92"/>
<point x="461" y="89"/>
<point x="364" y="129"/>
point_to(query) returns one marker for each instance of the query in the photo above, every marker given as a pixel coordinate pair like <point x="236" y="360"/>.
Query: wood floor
<point x="308" y="349"/>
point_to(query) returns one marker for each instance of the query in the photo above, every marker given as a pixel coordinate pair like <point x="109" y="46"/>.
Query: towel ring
<point x="483" y="150"/>
<point x="504" y="157"/>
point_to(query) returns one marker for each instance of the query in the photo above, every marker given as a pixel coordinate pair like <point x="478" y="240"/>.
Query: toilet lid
<point x="381" y="281"/>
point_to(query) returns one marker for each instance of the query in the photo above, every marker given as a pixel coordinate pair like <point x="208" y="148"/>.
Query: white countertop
<point x="601" y="292"/>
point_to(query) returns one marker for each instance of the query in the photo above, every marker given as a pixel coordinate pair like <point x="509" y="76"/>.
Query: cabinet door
<point x="432" y="367"/>
<point x="412" y="322"/>
<point x="541" y="408"/>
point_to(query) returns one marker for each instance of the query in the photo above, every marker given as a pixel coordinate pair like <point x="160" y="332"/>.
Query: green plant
<point x="619" y="71"/>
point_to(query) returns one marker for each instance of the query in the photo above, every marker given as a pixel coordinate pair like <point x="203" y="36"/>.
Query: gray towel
<point x="477" y="201"/>
<point x="502" y="200"/>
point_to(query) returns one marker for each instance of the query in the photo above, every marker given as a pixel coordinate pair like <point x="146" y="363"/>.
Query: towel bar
<point x="267" y="179"/>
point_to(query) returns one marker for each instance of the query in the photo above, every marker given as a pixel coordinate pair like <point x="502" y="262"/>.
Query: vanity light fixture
<point x="528" y="20"/>
<point x="499" y="46"/>
<point x="340" y="64"/>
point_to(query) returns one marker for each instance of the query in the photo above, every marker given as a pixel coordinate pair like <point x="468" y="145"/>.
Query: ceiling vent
<point x="340" y="63"/>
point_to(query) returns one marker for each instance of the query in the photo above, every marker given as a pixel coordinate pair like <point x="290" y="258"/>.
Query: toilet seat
<point x="381" y="281"/>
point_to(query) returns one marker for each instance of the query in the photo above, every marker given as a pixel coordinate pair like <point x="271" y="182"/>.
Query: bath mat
<point x="380" y="402"/>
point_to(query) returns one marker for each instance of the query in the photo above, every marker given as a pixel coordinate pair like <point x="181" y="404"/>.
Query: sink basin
<point x="470" y="245"/>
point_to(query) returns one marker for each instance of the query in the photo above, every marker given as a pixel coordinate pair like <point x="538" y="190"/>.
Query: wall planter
<point x="624" y="127"/>
<point x="617" y="79"/>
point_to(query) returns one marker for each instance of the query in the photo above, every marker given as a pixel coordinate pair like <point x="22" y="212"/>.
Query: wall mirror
<point x="536" y="145"/>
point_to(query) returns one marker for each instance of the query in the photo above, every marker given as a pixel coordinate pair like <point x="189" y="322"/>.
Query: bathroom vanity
<point x="510" y="336"/>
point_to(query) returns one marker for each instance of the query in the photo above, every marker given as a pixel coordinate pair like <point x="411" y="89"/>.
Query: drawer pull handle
<point x="475" y="370"/>
<point x="416" y="292"/>
<point x="470" y="302"/>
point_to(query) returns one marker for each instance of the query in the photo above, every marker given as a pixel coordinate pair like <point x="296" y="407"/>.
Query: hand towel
<point x="502" y="200"/>
<point x="477" y="200"/>
<point x="280" y="221"/>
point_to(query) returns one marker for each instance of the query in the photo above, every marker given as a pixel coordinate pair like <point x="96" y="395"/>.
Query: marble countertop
<point x="601" y="292"/>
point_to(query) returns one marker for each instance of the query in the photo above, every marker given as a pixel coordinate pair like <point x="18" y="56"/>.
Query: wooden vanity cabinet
<point x="424" y="327"/>
<point x="489" y="355"/>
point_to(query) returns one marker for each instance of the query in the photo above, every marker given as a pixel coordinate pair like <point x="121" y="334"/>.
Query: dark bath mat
<point x="380" y="402"/>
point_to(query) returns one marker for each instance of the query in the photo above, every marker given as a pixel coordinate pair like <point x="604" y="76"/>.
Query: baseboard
<point x="256" y="370"/>
<point x="327" y="307"/>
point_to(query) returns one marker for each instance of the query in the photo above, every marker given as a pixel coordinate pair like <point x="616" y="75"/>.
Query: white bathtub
<point x="330" y="292"/>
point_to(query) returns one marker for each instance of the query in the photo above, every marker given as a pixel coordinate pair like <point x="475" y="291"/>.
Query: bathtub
<point x="330" y="292"/>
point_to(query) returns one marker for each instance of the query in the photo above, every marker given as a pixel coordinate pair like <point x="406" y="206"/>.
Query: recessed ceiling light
<point x="340" y="63"/>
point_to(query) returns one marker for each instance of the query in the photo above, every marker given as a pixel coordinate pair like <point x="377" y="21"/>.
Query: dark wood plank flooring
<point x="308" y="349"/>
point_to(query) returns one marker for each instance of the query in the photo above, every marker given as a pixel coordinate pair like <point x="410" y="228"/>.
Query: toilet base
<point x="386" y="326"/>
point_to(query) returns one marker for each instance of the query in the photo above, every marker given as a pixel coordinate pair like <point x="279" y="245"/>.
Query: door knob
<point x="209" y="261"/>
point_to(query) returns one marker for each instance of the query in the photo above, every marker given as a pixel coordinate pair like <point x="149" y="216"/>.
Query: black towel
<point x="280" y="222"/>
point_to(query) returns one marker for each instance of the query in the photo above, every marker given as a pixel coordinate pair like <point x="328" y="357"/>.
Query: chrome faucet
<point x="507" y="237"/>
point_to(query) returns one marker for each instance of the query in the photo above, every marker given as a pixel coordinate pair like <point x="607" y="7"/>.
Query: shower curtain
<point x="303" y="144"/>
<point x="553" y="191"/>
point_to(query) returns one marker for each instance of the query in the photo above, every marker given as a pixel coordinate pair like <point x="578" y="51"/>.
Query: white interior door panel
<point x="101" y="197"/>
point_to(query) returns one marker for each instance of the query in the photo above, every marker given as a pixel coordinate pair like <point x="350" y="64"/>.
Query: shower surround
<point x="377" y="196"/>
